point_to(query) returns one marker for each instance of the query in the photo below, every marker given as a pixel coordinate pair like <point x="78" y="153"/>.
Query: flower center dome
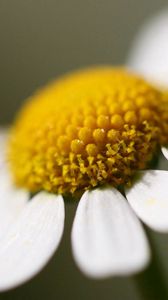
<point x="89" y="128"/>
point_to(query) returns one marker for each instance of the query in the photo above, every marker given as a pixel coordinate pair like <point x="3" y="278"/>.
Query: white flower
<point x="149" y="52"/>
<point x="107" y="237"/>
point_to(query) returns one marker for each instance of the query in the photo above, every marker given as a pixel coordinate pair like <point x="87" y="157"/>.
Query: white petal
<point x="3" y="134"/>
<point x="149" y="199"/>
<point x="148" y="55"/>
<point x="32" y="240"/>
<point x="3" y="140"/>
<point x="12" y="201"/>
<point x="165" y="152"/>
<point x="107" y="238"/>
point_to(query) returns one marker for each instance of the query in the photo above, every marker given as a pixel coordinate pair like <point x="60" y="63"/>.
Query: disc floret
<point x="87" y="129"/>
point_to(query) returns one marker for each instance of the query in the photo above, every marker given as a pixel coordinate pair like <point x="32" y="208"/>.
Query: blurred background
<point x="40" y="40"/>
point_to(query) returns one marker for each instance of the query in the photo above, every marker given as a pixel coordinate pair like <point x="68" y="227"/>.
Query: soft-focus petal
<point x="3" y="139"/>
<point x="31" y="240"/>
<point x="165" y="152"/>
<point x="149" y="52"/>
<point x="12" y="201"/>
<point x="107" y="238"/>
<point x="3" y="134"/>
<point x="149" y="199"/>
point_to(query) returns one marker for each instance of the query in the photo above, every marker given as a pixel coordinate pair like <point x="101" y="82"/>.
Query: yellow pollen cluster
<point x="89" y="128"/>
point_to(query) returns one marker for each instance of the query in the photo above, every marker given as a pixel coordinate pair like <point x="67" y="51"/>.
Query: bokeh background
<point x="39" y="40"/>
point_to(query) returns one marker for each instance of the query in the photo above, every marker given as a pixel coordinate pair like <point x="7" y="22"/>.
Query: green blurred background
<point x="43" y="39"/>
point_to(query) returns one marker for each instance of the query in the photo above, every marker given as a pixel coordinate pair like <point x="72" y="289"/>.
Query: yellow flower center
<point x="90" y="128"/>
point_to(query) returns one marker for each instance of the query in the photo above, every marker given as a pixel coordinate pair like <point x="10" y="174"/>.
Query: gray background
<point x="38" y="41"/>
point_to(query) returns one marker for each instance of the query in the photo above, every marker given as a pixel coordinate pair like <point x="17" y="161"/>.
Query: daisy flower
<point x="90" y="136"/>
<point x="149" y="51"/>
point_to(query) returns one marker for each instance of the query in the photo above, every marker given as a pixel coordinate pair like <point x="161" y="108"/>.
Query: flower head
<point x="88" y="129"/>
<point x="94" y="128"/>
